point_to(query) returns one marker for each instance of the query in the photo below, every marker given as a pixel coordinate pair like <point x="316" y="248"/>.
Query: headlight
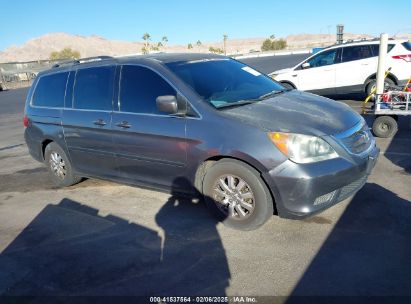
<point x="273" y="75"/>
<point x="302" y="148"/>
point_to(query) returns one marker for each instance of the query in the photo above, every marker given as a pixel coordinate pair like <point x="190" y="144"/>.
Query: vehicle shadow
<point x="71" y="250"/>
<point x="399" y="151"/>
<point x="366" y="254"/>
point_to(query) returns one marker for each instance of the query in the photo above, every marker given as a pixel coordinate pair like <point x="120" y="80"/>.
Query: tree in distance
<point x="216" y="50"/>
<point x="272" y="44"/>
<point x="190" y="46"/>
<point x="66" y="53"/>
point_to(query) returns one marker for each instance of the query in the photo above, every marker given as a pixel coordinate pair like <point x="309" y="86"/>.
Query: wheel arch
<point x="374" y="76"/>
<point x="210" y="161"/>
<point x="288" y="82"/>
<point x="44" y="144"/>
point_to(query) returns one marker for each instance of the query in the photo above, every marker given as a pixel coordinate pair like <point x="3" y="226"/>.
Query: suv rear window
<point x="93" y="89"/>
<point x="407" y="45"/>
<point x="50" y="91"/>
<point x="358" y="52"/>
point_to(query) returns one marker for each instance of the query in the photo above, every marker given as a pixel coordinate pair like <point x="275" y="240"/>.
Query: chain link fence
<point x="21" y="74"/>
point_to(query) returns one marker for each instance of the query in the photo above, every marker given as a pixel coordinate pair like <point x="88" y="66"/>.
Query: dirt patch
<point x="318" y="220"/>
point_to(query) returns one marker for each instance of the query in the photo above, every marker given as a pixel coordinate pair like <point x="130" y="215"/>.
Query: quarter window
<point x="376" y="48"/>
<point x="139" y="88"/>
<point x="50" y="91"/>
<point x="93" y="89"/>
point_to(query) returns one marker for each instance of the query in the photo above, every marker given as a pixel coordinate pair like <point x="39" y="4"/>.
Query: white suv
<point x="347" y="68"/>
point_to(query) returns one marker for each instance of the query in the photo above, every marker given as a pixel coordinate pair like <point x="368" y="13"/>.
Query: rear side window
<point x="139" y="88"/>
<point x="376" y="48"/>
<point x="93" y="89"/>
<point x="407" y="45"/>
<point x="358" y="52"/>
<point x="50" y="91"/>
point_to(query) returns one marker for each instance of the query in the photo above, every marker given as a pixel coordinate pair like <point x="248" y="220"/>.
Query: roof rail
<point x="357" y="41"/>
<point x="81" y="60"/>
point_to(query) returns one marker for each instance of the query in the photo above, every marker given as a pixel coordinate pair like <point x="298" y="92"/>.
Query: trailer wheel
<point x="384" y="126"/>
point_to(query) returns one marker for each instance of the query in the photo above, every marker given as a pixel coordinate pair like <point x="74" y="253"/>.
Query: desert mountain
<point x="41" y="47"/>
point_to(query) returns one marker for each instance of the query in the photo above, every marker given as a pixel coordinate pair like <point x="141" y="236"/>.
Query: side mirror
<point x="167" y="104"/>
<point x="305" y="65"/>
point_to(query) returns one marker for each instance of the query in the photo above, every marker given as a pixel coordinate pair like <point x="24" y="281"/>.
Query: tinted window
<point x="407" y="45"/>
<point x="222" y="82"/>
<point x="139" y="89"/>
<point x="50" y="90"/>
<point x="351" y="53"/>
<point x="376" y="48"/>
<point x="94" y="88"/>
<point x="324" y="58"/>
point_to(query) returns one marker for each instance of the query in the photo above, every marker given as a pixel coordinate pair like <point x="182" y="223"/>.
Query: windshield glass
<point x="223" y="82"/>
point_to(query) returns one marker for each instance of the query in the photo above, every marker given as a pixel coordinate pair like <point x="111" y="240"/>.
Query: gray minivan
<point x="201" y="124"/>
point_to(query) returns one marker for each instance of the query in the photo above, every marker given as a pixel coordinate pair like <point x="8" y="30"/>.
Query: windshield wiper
<point x="270" y="94"/>
<point x="237" y="103"/>
<point x="252" y="100"/>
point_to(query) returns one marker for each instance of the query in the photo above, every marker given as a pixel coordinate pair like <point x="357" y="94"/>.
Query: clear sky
<point x="184" y="21"/>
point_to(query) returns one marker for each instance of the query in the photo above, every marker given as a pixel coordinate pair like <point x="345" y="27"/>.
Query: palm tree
<point x="189" y="46"/>
<point x="198" y="43"/>
<point x="146" y="38"/>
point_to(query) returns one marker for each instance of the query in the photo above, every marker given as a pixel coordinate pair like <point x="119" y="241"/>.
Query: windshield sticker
<point x="251" y="71"/>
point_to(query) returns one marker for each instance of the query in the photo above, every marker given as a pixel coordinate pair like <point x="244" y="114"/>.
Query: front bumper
<point x="302" y="190"/>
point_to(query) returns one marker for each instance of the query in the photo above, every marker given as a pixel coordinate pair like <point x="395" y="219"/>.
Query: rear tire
<point x="384" y="126"/>
<point x="236" y="194"/>
<point x="59" y="167"/>
<point x="373" y="82"/>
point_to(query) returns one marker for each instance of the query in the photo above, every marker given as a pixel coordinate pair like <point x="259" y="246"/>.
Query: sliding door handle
<point x="100" y="122"/>
<point x="123" y="124"/>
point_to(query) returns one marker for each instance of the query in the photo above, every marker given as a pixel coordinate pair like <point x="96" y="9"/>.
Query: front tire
<point x="288" y="86"/>
<point x="59" y="167"/>
<point x="237" y="195"/>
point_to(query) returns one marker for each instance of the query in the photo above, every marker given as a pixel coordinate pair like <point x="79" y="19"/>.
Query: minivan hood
<point x="297" y="112"/>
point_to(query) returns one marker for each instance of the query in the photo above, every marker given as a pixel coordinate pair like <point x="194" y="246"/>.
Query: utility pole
<point x="225" y="37"/>
<point x="340" y="33"/>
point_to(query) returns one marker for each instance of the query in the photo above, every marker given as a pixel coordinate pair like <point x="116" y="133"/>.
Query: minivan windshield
<point x="225" y="82"/>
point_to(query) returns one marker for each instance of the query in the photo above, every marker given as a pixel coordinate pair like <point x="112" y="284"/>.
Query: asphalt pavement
<point x="272" y="63"/>
<point x="103" y="238"/>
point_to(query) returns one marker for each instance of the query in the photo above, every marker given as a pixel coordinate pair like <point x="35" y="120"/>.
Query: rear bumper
<point x="33" y="146"/>
<point x="301" y="190"/>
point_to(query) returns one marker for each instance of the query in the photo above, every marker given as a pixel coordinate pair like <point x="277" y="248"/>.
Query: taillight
<point x="407" y="58"/>
<point x="25" y="121"/>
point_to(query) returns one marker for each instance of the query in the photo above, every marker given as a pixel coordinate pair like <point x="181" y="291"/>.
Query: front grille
<point x="358" y="141"/>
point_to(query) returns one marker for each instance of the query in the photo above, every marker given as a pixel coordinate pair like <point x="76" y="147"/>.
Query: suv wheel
<point x="237" y="195"/>
<point x="373" y="82"/>
<point x="59" y="166"/>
